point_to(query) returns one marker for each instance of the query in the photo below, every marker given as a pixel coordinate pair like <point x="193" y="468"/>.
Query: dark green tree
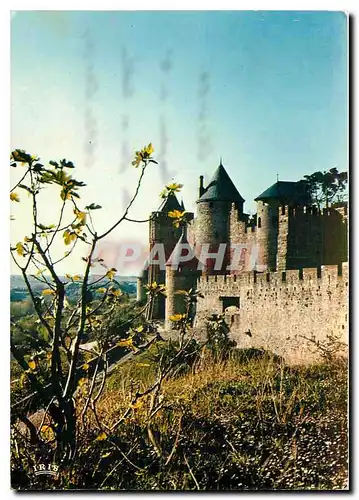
<point x="326" y="187"/>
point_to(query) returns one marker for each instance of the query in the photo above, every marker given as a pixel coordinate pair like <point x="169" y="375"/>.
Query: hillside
<point x="19" y="292"/>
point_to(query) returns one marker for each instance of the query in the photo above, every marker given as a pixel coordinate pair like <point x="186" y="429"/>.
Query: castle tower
<point x="270" y="234"/>
<point x="142" y="281"/>
<point x="180" y="276"/>
<point x="162" y="231"/>
<point x="213" y="211"/>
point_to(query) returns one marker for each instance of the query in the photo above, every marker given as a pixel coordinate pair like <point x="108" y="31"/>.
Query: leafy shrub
<point x="218" y="341"/>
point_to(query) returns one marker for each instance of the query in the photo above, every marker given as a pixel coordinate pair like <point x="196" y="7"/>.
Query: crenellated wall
<point x="310" y="237"/>
<point x="277" y="309"/>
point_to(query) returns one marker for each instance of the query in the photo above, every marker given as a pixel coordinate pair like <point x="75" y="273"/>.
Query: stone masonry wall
<point x="277" y="309"/>
<point x="309" y="237"/>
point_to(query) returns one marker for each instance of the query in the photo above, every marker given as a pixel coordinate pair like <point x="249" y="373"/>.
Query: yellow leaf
<point x="48" y="291"/>
<point x="175" y="214"/>
<point x="177" y="317"/>
<point x="101" y="290"/>
<point x="139" y="328"/>
<point x="174" y="187"/>
<point x="69" y="237"/>
<point x="14" y="197"/>
<point x="111" y="273"/>
<point x="152" y="286"/>
<point x="20" y="248"/>
<point x="77" y="277"/>
<point x="149" y="149"/>
<point x="65" y="194"/>
<point x="137" y="405"/>
<point x="101" y="437"/>
<point x="105" y="455"/>
<point x="85" y="367"/>
<point x="47" y="433"/>
<point x="80" y="215"/>
<point x="32" y="365"/>
<point x="125" y="343"/>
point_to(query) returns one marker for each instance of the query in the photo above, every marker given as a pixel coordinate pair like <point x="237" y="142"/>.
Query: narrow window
<point x="259" y="222"/>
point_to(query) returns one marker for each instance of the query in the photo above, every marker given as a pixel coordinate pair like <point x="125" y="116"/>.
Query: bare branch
<point x="129" y="204"/>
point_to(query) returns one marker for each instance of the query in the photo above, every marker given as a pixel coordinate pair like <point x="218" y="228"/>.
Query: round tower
<point x="267" y="234"/>
<point x="181" y="274"/>
<point x="273" y="236"/>
<point x="142" y="281"/>
<point x="213" y="212"/>
<point x="162" y="231"/>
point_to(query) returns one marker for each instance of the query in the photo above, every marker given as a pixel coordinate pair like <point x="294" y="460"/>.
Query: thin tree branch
<point x="128" y="206"/>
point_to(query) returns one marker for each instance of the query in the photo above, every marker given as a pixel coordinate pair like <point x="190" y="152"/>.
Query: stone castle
<point x="289" y="285"/>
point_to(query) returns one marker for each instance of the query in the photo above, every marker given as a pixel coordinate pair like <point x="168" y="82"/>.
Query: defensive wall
<point x="280" y="311"/>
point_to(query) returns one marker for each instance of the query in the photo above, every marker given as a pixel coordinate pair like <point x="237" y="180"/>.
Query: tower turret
<point x="142" y="281"/>
<point x="182" y="271"/>
<point x="162" y="232"/>
<point x="268" y="205"/>
<point x="212" y="222"/>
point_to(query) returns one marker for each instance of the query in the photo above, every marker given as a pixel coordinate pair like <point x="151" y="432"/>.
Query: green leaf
<point x="44" y="228"/>
<point x="93" y="207"/>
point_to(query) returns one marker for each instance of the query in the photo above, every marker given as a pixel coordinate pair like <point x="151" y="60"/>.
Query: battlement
<point x="163" y="216"/>
<point x="305" y="275"/>
<point x="296" y="212"/>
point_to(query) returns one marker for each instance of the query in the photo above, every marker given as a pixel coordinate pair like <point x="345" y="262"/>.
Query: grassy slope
<point x="237" y="424"/>
<point x="247" y="423"/>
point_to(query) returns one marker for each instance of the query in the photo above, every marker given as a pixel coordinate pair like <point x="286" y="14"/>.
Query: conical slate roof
<point x="221" y="188"/>
<point x="286" y="192"/>
<point x="171" y="203"/>
<point x="181" y="249"/>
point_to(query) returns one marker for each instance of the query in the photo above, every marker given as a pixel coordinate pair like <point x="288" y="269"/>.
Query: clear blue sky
<point x="267" y="91"/>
